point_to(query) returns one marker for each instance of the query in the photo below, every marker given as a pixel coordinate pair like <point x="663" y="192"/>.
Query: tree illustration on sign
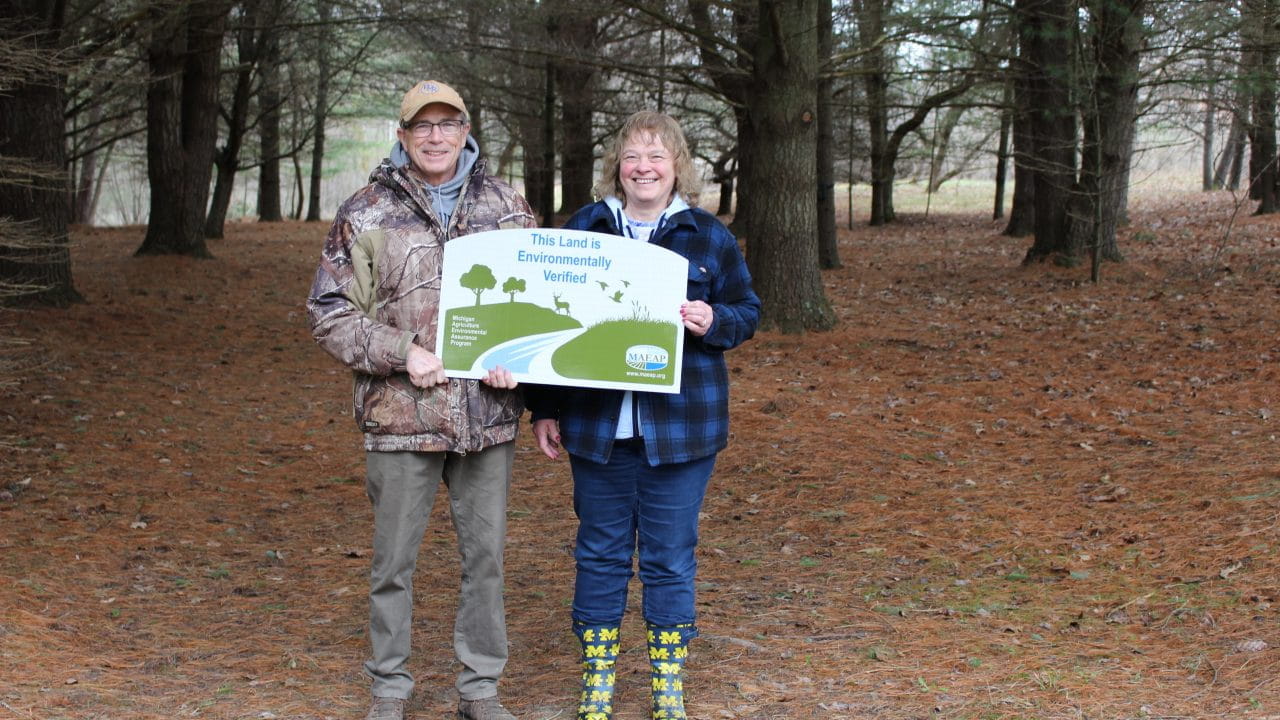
<point x="478" y="279"/>
<point x="512" y="286"/>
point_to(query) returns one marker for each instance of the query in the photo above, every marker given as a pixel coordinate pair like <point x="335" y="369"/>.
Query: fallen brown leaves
<point x="994" y="491"/>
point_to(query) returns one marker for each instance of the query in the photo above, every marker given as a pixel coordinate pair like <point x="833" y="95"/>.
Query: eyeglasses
<point x="448" y="128"/>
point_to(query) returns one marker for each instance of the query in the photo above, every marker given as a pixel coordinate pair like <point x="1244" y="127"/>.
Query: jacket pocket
<point x="504" y="407"/>
<point x="699" y="283"/>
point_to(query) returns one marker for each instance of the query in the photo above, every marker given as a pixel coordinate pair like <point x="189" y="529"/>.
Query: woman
<point x="641" y="461"/>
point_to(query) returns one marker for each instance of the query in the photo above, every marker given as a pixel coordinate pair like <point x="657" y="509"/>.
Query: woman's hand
<point x="697" y="316"/>
<point x="547" y="434"/>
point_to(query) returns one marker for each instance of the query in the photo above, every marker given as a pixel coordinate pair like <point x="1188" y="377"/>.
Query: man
<point x="373" y="306"/>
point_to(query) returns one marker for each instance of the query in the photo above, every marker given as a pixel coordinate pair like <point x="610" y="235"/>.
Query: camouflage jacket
<point x="377" y="290"/>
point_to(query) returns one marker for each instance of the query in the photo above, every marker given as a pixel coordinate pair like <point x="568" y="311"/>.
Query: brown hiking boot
<point x="385" y="708"/>
<point x="483" y="709"/>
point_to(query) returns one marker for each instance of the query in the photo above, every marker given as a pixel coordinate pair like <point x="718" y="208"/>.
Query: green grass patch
<point x="600" y="353"/>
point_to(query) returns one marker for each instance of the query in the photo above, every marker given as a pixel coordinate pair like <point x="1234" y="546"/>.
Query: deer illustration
<point x="561" y="305"/>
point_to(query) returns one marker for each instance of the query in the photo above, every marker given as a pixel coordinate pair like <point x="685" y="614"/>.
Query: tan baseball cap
<point x="425" y="93"/>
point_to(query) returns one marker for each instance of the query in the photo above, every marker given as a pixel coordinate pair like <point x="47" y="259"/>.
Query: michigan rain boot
<point x="599" y="656"/>
<point x="668" y="649"/>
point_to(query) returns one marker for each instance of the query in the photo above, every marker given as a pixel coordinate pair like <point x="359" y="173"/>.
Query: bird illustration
<point x="603" y="285"/>
<point x="616" y="297"/>
<point x="626" y="283"/>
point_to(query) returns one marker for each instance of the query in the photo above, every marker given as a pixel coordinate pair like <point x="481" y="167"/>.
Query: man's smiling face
<point x="434" y="153"/>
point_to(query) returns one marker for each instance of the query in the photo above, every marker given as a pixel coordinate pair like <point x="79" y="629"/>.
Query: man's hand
<point x="547" y="433"/>
<point x="424" y="367"/>
<point x="499" y="377"/>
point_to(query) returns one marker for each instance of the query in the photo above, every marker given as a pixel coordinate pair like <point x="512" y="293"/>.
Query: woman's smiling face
<point x="647" y="173"/>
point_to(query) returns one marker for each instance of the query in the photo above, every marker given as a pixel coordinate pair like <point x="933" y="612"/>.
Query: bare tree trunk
<point x="249" y="38"/>
<point x="1002" y="151"/>
<point x="83" y="199"/>
<point x="1260" y="41"/>
<point x="1230" y="163"/>
<point x="269" y="103"/>
<point x="1207" y="129"/>
<point x="733" y="80"/>
<point x="1022" y="211"/>
<point x="536" y="174"/>
<point x="782" y="248"/>
<point x="35" y="262"/>
<point x="576" y="27"/>
<point x="849" y="175"/>
<point x="298" y="196"/>
<point x="828" y="250"/>
<point x="1208" y="125"/>
<point x="1044" y="30"/>
<point x="1109" y="125"/>
<point x="875" y="79"/>
<point x="722" y="173"/>
<point x="741" y="224"/>
<point x="182" y="128"/>
<point x="96" y="196"/>
<point x="942" y="146"/>
<point x="1229" y="169"/>
<point x="321" y="111"/>
<point x="546" y="200"/>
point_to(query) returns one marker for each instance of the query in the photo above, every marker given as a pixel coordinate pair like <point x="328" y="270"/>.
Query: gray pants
<point x="402" y="487"/>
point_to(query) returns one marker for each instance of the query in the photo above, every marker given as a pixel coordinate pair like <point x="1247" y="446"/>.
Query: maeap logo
<point x="647" y="357"/>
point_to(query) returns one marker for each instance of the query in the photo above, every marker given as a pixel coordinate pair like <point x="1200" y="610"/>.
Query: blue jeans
<point x="625" y="505"/>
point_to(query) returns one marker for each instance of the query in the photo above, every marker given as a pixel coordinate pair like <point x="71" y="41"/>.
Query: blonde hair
<point x="666" y="130"/>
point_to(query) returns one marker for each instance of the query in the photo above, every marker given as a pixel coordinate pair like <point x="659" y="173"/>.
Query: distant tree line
<point x="781" y="98"/>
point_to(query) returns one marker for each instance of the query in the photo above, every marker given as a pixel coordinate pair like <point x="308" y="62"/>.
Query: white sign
<point x="563" y="307"/>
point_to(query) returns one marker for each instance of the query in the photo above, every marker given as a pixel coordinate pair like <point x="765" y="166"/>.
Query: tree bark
<point x="1230" y="162"/>
<point x="35" y="262"/>
<point x="321" y="111"/>
<point x="83" y="200"/>
<point x="1045" y="29"/>
<point x="1207" y="130"/>
<point x="723" y="173"/>
<point x="733" y="78"/>
<point x="1109" y="115"/>
<point x="942" y="147"/>
<point x="1208" y="124"/>
<point x="249" y="38"/>
<point x="876" y="87"/>
<point x="782" y="247"/>
<point x="270" y="100"/>
<point x="1259" y="31"/>
<point x="536" y="174"/>
<point x="1002" y="152"/>
<point x="182" y="129"/>
<point x="577" y="30"/>
<point x="1022" y="211"/>
<point x="546" y="200"/>
<point x="298" y="196"/>
<point x="828" y="249"/>
<point x="1226" y="175"/>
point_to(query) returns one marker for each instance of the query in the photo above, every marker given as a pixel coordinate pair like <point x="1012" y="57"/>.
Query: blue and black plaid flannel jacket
<point x="676" y="427"/>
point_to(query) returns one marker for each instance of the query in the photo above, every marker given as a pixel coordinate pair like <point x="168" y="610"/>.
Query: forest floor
<point x="994" y="491"/>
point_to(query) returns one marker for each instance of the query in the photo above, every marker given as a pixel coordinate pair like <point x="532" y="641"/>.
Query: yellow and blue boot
<point x="599" y="658"/>
<point x="668" y="649"/>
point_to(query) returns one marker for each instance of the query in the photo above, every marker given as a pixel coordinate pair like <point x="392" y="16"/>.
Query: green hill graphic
<point x="471" y="331"/>
<point x="600" y="352"/>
